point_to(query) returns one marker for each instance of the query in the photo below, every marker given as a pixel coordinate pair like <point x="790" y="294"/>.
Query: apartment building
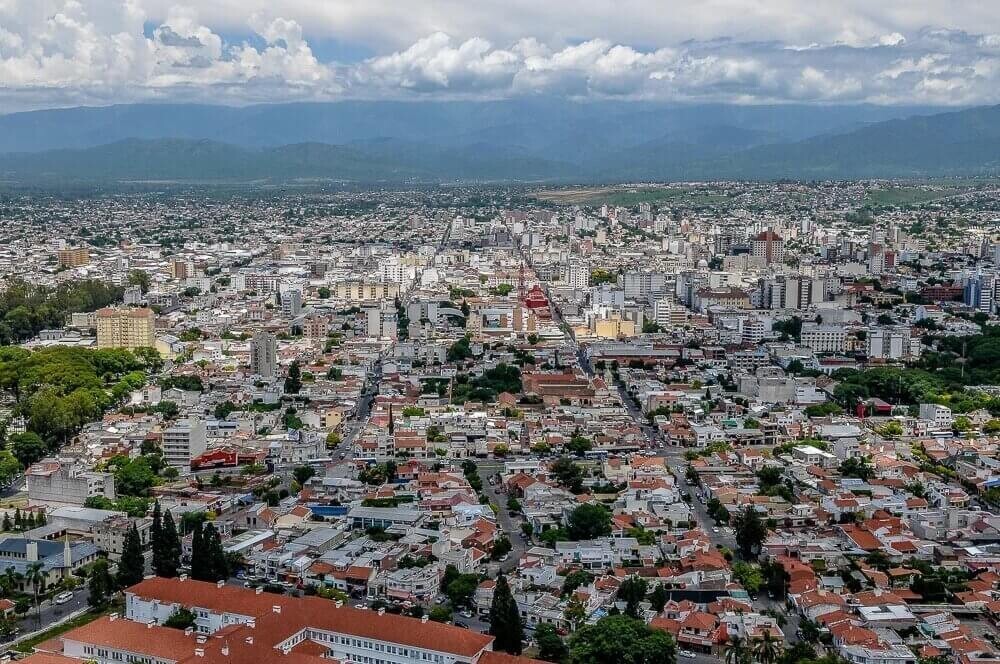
<point x="73" y="257"/>
<point x="127" y="328"/>
<point x="184" y="441"/>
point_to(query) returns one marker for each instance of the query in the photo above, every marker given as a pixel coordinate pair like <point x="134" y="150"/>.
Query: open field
<point x="909" y="195"/>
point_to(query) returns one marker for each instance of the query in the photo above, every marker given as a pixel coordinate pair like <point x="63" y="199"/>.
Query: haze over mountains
<point x="517" y="140"/>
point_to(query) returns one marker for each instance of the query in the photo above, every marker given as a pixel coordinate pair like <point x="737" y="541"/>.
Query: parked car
<point x="686" y="653"/>
<point x="63" y="597"/>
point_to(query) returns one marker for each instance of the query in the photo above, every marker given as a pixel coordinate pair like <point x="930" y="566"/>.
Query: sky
<point x="57" y="53"/>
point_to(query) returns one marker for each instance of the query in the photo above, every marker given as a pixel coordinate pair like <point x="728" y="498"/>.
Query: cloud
<point x="61" y="52"/>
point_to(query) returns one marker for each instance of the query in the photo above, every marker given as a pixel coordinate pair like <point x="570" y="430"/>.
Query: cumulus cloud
<point x="59" y="52"/>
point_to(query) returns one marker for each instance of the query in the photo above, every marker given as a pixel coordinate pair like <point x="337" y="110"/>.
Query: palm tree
<point x="9" y="581"/>
<point x="768" y="650"/>
<point x="36" y="578"/>
<point x="737" y="652"/>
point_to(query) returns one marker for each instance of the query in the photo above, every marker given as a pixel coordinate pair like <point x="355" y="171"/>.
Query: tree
<point x="658" y="598"/>
<point x="139" y="278"/>
<point x="505" y="619"/>
<point x="857" y="467"/>
<point x="440" y="614"/>
<point x="131" y="567"/>
<point x="632" y="591"/>
<point x="303" y="473"/>
<point x="568" y="474"/>
<point x="768" y="649"/>
<point x="293" y="381"/>
<point x="575" y="612"/>
<point x="618" y="639"/>
<point x="501" y="548"/>
<point x="208" y="560"/>
<point x="574" y="580"/>
<point x="551" y="647"/>
<point x="10" y="467"/>
<point x="589" y="521"/>
<point x="182" y="618"/>
<point x="750" y="532"/>
<point x="170" y="549"/>
<point x="100" y="585"/>
<point x="737" y="652"/>
<point x="156" y="537"/>
<point x="36" y="577"/>
<point x="27" y="447"/>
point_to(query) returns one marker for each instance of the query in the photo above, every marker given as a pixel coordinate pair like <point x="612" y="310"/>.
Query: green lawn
<point x="906" y="195"/>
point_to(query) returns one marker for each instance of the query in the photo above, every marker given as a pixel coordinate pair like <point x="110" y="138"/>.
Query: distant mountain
<point x="957" y="143"/>
<point x="539" y="124"/>
<point x="662" y="144"/>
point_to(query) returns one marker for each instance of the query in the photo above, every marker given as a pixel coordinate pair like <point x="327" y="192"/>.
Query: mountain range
<point x="528" y="140"/>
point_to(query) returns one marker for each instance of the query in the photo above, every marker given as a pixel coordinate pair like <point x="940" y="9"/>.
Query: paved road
<point x="510" y="525"/>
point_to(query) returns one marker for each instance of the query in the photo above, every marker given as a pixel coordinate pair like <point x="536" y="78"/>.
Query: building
<point x="895" y="343"/>
<point x="291" y="303"/>
<point x="242" y="626"/>
<point x="127" y="328"/>
<point x="357" y="290"/>
<point x="824" y="338"/>
<point x="183" y="442"/>
<point x="54" y="483"/>
<point x="981" y="292"/>
<point x="769" y="247"/>
<point x="58" y="560"/>
<point x="264" y="355"/>
<point x="577" y="275"/>
<point x="109" y="534"/>
<point x="381" y="322"/>
<point x="73" y="257"/>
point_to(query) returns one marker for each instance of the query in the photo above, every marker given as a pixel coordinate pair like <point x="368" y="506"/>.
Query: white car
<point x="62" y="598"/>
<point x="686" y="653"/>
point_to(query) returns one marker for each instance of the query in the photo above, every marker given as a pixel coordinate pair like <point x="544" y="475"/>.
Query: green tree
<point x="156" y="538"/>
<point x="293" y="381"/>
<point x="131" y="567"/>
<point x="589" y="521"/>
<point x="620" y="639"/>
<point x="750" y="532"/>
<point x="27" y="448"/>
<point x="658" y="598"/>
<point x="574" y="580"/>
<point x="100" y="585"/>
<point x="551" y="647"/>
<point x="632" y="591"/>
<point x="182" y="618"/>
<point x="170" y="549"/>
<point x="302" y="474"/>
<point x="768" y="649"/>
<point x="10" y="467"/>
<point x="737" y="652"/>
<point x="35" y="576"/>
<point x="505" y="619"/>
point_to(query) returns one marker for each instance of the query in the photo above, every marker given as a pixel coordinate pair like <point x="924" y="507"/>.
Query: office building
<point x="769" y="247"/>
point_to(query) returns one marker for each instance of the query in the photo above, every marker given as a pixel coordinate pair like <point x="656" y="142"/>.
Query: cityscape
<point x="345" y="340"/>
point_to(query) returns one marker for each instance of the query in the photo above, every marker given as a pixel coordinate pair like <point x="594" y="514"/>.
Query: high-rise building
<point x="73" y="257"/>
<point x="981" y="291"/>
<point x="291" y="303"/>
<point x="263" y="355"/>
<point x="184" y="441"/>
<point x="577" y="275"/>
<point x="768" y="246"/>
<point x="128" y="328"/>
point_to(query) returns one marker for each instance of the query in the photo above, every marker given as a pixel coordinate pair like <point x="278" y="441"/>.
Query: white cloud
<point x="59" y="52"/>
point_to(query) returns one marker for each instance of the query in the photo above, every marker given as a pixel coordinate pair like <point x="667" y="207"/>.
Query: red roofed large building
<point x="239" y="626"/>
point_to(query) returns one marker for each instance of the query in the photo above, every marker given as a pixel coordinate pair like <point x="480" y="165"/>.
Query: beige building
<point x="73" y="257"/>
<point x="125" y="328"/>
<point x="613" y="327"/>
<point x="356" y="290"/>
